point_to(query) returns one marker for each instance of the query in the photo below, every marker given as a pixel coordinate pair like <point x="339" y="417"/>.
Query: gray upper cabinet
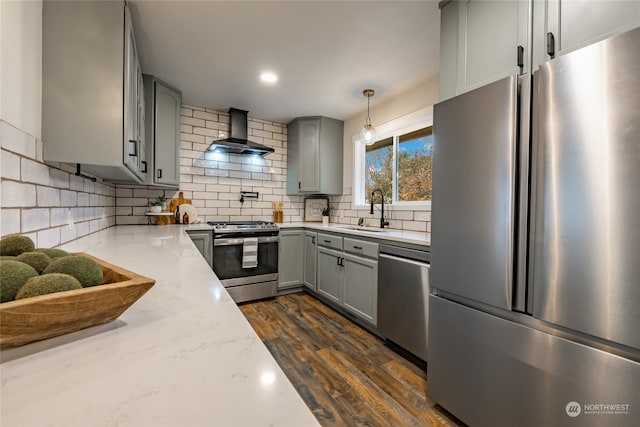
<point x="481" y="42"/>
<point x="314" y="156"/>
<point x="163" y="133"/>
<point x="578" y="23"/>
<point x="93" y="107"/>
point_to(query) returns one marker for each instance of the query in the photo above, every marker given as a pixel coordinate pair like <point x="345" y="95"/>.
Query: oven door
<point x="227" y="261"/>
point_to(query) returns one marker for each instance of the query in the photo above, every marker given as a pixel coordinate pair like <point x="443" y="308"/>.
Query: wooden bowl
<point x="46" y="316"/>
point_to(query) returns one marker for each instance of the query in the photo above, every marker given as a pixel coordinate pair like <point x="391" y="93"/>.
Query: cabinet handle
<point x="520" y="58"/>
<point x="135" y="148"/>
<point x="551" y="45"/>
<point x="327" y="241"/>
<point x="159" y="173"/>
<point x="358" y="247"/>
<point x="342" y="262"/>
<point x="299" y="185"/>
<point x="144" y="165"/>
<point x="338" y="260"/>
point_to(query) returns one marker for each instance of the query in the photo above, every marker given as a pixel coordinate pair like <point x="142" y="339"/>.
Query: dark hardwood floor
<point x="346" y="375"/>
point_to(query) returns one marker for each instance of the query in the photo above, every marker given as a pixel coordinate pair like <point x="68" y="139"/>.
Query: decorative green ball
<point x="48" y="284"/>
<point x="37" y="260"/>
<point x="87" y="271"/>
<point x="14" y="245"/>
<point x="53" y="253"/>
<point x="13" y="274"/>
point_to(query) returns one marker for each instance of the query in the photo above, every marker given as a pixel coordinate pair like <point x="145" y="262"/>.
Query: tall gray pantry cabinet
<point x="93" y="109"/>
<point x="314" y="156"/>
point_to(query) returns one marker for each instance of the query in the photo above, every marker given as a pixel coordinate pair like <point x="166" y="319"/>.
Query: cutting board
<point x="171" y="207"/>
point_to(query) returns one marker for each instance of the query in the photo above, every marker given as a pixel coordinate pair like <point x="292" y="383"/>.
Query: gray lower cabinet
<point x="360" y="287"/>
<point x="330" y="274"/>
<point x="163" y="133"/>
<point x="310" y="259"/>
<point x="349" y="276"/>
<point x="290" y="258"/>
<point x="203" y="241"/>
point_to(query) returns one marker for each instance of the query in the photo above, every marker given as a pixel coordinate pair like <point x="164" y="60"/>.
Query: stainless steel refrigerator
<point x="534" y="317"/>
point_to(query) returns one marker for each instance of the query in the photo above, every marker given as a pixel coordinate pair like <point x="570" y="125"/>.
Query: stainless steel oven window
<point x="227" y="258"/>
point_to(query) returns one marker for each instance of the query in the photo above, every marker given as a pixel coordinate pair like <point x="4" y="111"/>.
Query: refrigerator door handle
<point x="522" y="196"/>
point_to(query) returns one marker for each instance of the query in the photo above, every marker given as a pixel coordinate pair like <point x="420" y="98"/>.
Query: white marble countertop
<point x="182" y="355"/>
<point x="403" y="236"/>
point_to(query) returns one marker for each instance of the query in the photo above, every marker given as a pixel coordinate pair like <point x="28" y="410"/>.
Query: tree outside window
<point x="400" y="166"/>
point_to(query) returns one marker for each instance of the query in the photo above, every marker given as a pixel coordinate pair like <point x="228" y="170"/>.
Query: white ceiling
<point x="325" y="52"/>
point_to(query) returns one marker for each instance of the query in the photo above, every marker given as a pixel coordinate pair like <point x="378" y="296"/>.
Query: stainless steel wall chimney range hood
<point x="237" y="143"/>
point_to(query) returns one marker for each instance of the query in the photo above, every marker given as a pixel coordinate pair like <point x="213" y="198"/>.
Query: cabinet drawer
<point x="330" y="241"/>
<point x="360" y="247"/>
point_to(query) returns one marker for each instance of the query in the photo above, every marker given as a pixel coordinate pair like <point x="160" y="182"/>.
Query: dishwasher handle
<point x="409" y="254"/>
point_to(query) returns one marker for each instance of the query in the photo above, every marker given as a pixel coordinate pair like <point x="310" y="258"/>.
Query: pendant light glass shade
<point x="368" y="132"/>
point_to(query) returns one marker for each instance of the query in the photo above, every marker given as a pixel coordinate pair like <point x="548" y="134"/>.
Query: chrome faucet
<point x="382" y="220"/>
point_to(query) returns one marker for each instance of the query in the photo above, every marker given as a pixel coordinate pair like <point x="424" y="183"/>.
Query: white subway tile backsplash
<point x="76" y="183"/>
<point x="83" y="199"/>
<point x="17" y="194"/>
<point x="13" y="139"/>
<point x="10" y="167"/>
<point x="48" y="238"/>
<point x="47" y="196"/>
<point x="10" y="221"/>
<point x="58" y="178"/>
<point x="68" y="198"/>
<point x="31" y="171"/>
<point x="59" y="216"/>
<point x="34" y="219"/>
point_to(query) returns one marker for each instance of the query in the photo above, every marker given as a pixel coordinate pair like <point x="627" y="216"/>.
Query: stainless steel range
<point x="245" y="258"/>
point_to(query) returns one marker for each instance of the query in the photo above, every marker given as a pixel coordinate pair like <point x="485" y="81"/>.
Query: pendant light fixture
<point x="368" y="132"/>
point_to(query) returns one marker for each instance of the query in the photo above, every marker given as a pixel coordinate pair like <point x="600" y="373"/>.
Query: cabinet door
<point x="310" y="258"/>
<point x="578" y="23"/>
<point x="290" y="259"/>
<point x="202" y="240"/>
<point x="141" y="120"/>
<point x="308" y="169"/>
<point x="167" y="135"/>
<point x="490" y="40"/>
<point x="329" y="274"/>
<point x="131" y="147"/>
<point x="360" y="287"/>
<point x="482" y="42"/>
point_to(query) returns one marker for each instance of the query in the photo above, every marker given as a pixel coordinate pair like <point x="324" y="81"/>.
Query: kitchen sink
<point x="361" y="228"/>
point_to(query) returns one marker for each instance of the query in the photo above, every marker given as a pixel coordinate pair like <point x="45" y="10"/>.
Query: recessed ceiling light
<point x="268" y="77"/>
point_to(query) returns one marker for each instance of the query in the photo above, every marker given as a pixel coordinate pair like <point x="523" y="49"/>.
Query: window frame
<point x="393" y="128"/>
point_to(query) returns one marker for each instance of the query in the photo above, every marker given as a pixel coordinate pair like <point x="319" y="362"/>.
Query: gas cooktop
<point x="228" y="226"/>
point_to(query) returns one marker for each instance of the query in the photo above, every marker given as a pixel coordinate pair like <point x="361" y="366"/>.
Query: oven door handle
<point x="232" y="242"/>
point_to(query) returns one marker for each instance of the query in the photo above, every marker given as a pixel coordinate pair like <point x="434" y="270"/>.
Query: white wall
<point x="43" y="201"/>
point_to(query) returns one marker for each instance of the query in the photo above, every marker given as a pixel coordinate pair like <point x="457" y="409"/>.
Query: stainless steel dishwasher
<point x="403" y="295"/>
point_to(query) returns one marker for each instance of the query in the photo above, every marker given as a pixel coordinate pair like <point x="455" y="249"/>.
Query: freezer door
<point x="474" y="162"/>
<point x="586" y="230"/>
